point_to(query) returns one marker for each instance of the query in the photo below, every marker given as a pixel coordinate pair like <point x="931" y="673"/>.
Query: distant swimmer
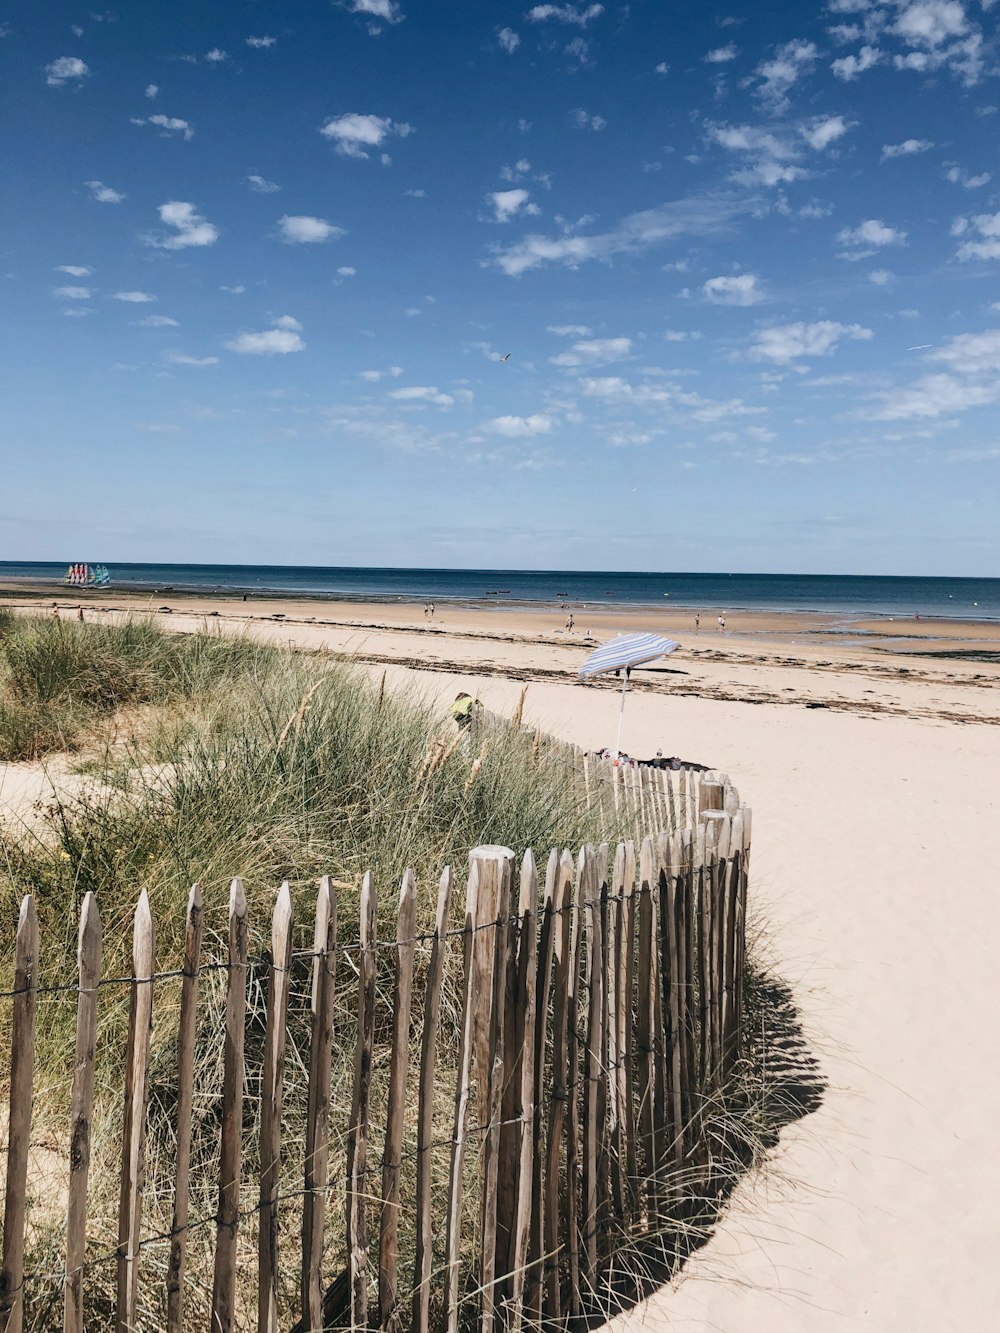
<point x="505" y="358"/>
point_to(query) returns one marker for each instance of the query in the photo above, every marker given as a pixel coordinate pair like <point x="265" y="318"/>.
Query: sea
<point x="849" y="596"/>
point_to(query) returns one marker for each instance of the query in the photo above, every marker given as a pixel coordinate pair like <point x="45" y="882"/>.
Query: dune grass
<point x="231" y="759"/>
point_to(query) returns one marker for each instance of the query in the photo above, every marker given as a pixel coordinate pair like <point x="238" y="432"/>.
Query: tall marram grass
<point x="267" y="765"/>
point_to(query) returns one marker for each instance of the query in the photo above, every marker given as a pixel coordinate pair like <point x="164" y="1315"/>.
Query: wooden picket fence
<point x="600" y="1021"/>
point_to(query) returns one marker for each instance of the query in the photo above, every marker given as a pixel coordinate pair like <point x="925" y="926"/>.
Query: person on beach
<point x="569" y="623"/>
<point x="55" y="611"/>
<point x="722" y="624"/>
<point x="79" y="613"/>
<point x="430" y="610"/>
<point x="697" y="622"/>
<point x="462" y="709"/>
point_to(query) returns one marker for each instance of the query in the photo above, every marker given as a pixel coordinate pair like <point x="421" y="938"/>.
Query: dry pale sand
<point x="874" y="783"/>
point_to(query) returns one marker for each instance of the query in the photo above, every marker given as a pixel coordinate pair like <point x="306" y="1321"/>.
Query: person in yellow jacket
<point x="461" y="710"/>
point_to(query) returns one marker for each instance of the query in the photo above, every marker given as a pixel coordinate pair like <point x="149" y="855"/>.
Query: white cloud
<point x="190" y="228"/>
<point x="261" y="184"/>
<point x="583" y="120"/>
<point x="151" y="90"/>
<point x="182" y="359"/>
<point x="721" y="55"/>
<point x="908" y="148"/>
<point x="819" y="134"/>
<point x="134" y="298"/>
<point x="104" y="194"/>
<point x="958" y="176"/>
<point x="987" y="227"/>
<point x="78" y="312"/>
<point x="277" y="341"/>
<point x="662" y="68"/>
<point x="215" y="56"/>
<point x="569" y="330"/>
<point x="594" y="351"/>
<point x="307" y="230"/>
<point x="509" y="40"/>
<point x="168" y="124"/>
<point x="784" y="69"/>
<point x="157" y="322"/>
<point x="423" y="393"/>
<point x="699" y="215"/>
<point x="507" y="204"/>
<point x="373" y="376"/>
<point x="386" y="10"/>
<point x="931" y="22"/>
<point x="73" y="293"/>
<point x="261" y="43"/>
<point x="519" y="427"/>
<point x="970" y="378"/>
<point x="74" y="270"/>
<point x="65" y="69"/>
<point x="580" y="15"/>
<point x="238" y="290"/>
<point x="353" y="134"/>
<point x="742" y="289"/>
<point x="346" y="271"/>
<point x="939" y="34"/>
<point x="869" y="236"/>
<point x="849" y="67"/>
<point x="881" y="277"/>
<point x="783" y="343"/>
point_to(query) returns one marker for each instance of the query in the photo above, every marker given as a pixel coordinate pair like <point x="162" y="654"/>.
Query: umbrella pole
<point x="621" y="715"/>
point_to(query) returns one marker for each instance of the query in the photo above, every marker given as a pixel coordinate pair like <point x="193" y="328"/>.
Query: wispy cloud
<point x="305" y="230"/>
<point x="849" y="67"/>
<point x="423" y="393"/>
<point x="283" y="338"/>
<point x="908" y="148"/>
<point x="72" y="293"/>
<point x="740" y="289"/>
<point x="261" y="43"/>
<point x="168" y="124"/>
<point x="520" y="427"/>
<point x="583" y="120"/>
<point x="869" y="236"/>
<point x="507" y="204"/>
<point x="261" y="185"/>
<point x="151" y="90"/>
<point x="509" y="40"/>
<point x="776" y="77"/>
<point x="66" y="69"/>
<point x="191" y="230"/>
<point x="982" y="233"/>
<point x="594" y="352"/>
<point x="353" y="134"/>
<point x="74" y="270"/>
<point x="183" y="359"/>
<point x="133" y="298"/>
<point x="578" y="15"/>
<point x="699" y="215"/>
<point x="721" y="55"/>
<point x="157" y="322"/>
<point x="104" y="194"/>
<point x="388" y="11"/>
<point x="968" y="376"/>
<point x="784" y="343"/>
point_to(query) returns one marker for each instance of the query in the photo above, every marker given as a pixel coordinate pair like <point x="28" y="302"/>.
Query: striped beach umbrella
<point x="624" y="653"/>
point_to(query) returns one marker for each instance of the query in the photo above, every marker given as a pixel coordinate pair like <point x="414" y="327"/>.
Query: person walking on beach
<point x="569" y="623"/>
<point x="697" y="621"/>
<point x="430" y="610"/>
<point x="722" y="624"/>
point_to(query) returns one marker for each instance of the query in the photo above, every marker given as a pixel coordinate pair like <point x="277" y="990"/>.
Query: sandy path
<point x="873" y="872"/>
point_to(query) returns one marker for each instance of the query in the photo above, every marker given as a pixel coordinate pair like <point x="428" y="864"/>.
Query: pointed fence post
<point x="22" y="1063"/>
<point x="272" y="1093"/>
<point x="186" y="1037"/>
<point x="136" y="1088"/>
<point x="357" y="1141"/>
<point x="399" y="1059"/>
<point x="89" y="947"/>
<point x="318" y="1103"/>
<point x="425" y="1115"/>
<point x="230" y="1152"/>
<point x="463" y="1090"/>
<point x="529" y="1084"/>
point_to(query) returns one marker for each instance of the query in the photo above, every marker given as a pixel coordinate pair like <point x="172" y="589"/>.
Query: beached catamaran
<point x="88" y="576"/>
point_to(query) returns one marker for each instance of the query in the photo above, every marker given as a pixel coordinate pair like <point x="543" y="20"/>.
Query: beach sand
<point x="873" y="775"/>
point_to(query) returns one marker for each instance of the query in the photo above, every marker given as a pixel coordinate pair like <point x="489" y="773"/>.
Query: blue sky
<point x="261" y="262"/>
